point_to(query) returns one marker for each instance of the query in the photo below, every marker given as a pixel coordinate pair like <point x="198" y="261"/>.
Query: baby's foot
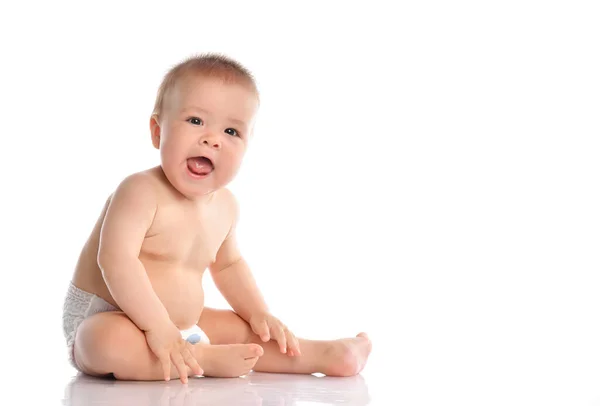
<point x="227" y="361"/>
<point x="348" y="356"/>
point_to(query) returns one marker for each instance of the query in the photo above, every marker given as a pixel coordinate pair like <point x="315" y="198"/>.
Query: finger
<point x="279" y="335"/>
<point x="191" y="361"/>
<point x="289" y="339"/>
<point x="166" y="366"/>
<point x="292" y="341"/>
<point x="193" y="364"/>
<point x="296" y="345"/>
<point x="180" y="365"/>
<point x="263" y="331"/>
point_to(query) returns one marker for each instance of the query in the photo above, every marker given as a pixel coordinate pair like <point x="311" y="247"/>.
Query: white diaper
<point x="79" y="304"/>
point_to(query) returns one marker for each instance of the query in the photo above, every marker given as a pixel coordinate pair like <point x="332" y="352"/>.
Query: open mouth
<point x="200" y="165"/>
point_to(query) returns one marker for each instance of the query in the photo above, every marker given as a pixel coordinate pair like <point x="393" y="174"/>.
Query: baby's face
<point x="203" y="133"/>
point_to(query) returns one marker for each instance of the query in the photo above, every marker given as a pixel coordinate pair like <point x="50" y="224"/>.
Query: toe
<point x="255" y="350"/>
<point x="250" y="350"/>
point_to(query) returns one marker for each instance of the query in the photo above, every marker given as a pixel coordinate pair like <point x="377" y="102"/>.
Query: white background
<point x="427" y="172"/>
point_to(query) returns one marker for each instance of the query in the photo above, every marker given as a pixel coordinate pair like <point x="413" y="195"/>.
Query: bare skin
<point x="155" y="237"/>
<point x="343" y="357"/>
<point x="110" y="343"/>
<point x="178" y="287"/>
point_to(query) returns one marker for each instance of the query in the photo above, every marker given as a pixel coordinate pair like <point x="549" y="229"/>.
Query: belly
<point x="180" y="291"/>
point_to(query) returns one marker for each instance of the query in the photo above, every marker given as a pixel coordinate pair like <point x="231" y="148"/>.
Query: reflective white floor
<point x="255" y="389"/>
<point x="415" y="372"/>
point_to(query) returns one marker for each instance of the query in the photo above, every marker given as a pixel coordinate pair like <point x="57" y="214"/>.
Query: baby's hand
<point x="267" y="326"/>
<point x="168" y="345"/>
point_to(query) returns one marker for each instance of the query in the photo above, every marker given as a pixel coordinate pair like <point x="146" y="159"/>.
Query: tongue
<point x="199" y="166"/>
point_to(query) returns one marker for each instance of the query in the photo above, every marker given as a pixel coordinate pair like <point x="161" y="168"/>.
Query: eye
<point x="233" y="132"/>
<point x="195" y="120"/>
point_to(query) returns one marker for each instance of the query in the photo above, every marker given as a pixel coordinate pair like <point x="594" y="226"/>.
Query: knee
<point x="101" y="340"/>
<point x="242" y="331"/>
<point x="225" y="327"/>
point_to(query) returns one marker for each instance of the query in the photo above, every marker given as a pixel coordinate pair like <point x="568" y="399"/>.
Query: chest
<point x="187" y="237"/>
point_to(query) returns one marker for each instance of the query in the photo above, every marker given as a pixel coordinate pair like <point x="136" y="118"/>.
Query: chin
<point x="197" y="191"/>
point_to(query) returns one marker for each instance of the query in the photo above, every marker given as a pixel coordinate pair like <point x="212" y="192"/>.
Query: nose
<point x="211" y="140"/>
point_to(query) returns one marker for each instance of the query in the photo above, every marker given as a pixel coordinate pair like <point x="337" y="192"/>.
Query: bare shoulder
<point x="138" y="189"/>
<point x="227" y="200"/>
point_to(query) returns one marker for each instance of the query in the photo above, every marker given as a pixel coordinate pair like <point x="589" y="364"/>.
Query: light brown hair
<point x="210" y="65"/>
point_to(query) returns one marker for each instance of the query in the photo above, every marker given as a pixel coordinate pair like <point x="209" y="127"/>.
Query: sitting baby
<point x="135" y="306"/>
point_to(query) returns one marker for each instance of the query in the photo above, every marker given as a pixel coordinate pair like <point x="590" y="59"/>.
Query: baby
<point x="135" y="306"/>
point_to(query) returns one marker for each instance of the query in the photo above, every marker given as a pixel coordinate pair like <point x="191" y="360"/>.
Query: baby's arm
<point x="128" y="218"/>
<point x="233" y="278"/>
<point x="232" y="275"/>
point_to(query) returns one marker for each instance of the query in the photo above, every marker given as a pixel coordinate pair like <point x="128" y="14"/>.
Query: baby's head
<point x="202" y="120"/>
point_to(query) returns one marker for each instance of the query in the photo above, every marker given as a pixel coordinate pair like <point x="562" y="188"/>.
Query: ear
<point x="155" y="131"/>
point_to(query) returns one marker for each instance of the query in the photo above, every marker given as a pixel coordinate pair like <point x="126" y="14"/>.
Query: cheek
<point x="236" y="157"/>
<point x="172" y="154"/>
<point x="235" y="153"/>
<point x="176" y="145"/>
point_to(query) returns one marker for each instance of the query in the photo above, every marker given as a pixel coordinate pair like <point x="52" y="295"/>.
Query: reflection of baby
<point x="136" y="293"/>
<point x="254" y="389"/>
<point x="116" y="393"/>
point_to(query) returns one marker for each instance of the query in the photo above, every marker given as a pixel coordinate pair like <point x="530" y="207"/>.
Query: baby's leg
<point x="110" y="342"/>
<point x="343" y="357"/>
